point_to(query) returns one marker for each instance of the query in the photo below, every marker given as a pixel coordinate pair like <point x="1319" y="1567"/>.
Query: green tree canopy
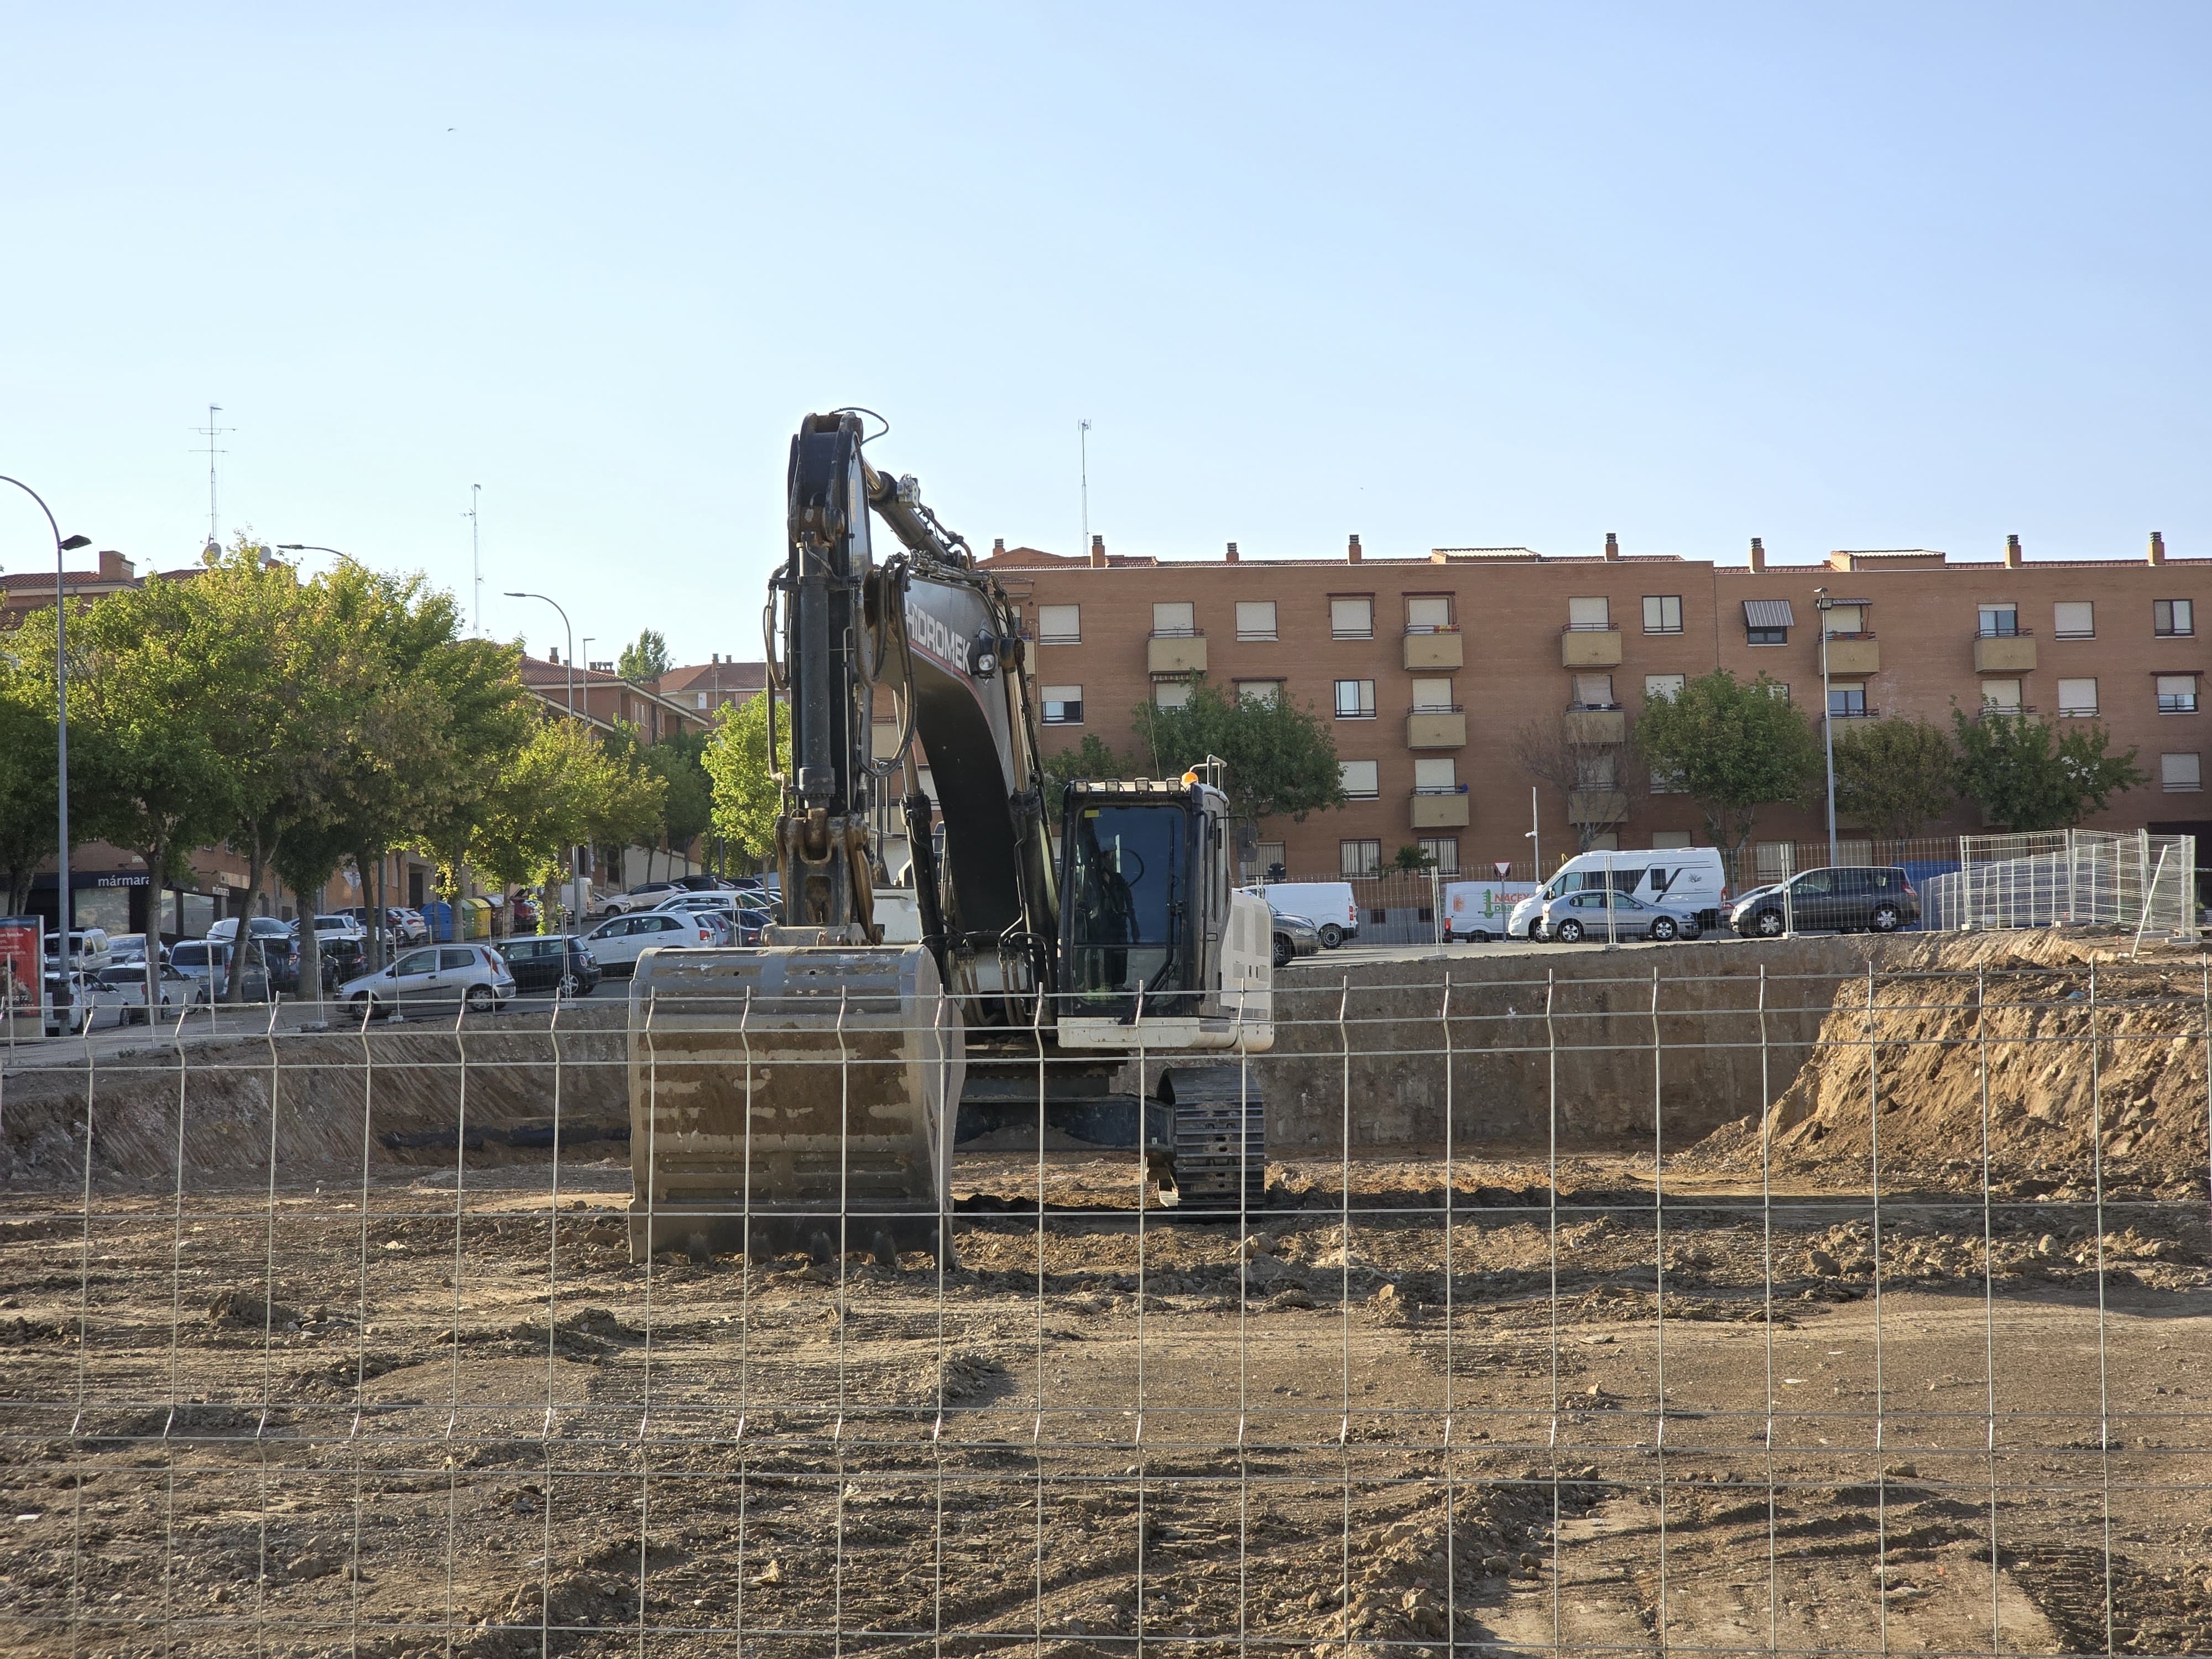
<point x="563" y="789"/>
<point x="1094" y="757"/>
<point x="2027" y="775"/>
<point x="1281" y="760"/>
<point x="1734" y="748"/>
<point x="645" y="657"/>
<point x="747" y="794"/>
<point x="29" y="819"/>
<point x="1895" y="776"/>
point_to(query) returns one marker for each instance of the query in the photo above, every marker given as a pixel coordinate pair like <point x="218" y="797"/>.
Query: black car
<point x="551" y="961"/>
<point x="1843" y="898"/>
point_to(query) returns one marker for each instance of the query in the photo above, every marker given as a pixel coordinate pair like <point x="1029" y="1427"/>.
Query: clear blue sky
<point x="1845" y="275"/>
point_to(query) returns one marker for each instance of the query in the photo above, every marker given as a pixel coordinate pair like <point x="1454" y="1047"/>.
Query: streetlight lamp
<point x="565" y="628"/>
<point x="1820" y="603"/>
<point x="61" y="544"/>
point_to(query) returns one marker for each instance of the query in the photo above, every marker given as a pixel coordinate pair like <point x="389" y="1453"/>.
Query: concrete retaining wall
<point x="1389" y="1016"/>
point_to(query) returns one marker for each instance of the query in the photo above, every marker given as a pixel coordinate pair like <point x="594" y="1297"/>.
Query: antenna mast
<point x="211" y="432"/>
<point x="476" y="561"/>
<point x="1083" y="449"/>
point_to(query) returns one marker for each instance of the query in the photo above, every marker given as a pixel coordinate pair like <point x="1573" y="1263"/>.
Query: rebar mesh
<point x="1806" y="1297"/>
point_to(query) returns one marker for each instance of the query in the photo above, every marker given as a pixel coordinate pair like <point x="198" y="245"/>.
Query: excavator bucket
<point x="791" y="1098"/>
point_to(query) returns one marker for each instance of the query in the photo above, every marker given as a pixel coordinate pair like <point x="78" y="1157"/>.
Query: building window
<point x="1772" y="860"/>
<point x="1060" y="624"/>
<point x="1355" y="700"/>
<point x="1436" y="776"/>
<point x="1662" y="839"/>
<point x="1352" y="619"/>
<point x="1665" y="783"/>
<point x="1433" y="696"/>
<point x="1170" y="693"/>
<point x="1767" y="621"/>
<point x="1428" y="613"/>
<point x="1594" y="691"/>
<point x="2001" y="696"/>
<point x="1589" y="616"/>
<point x="1662" y="613"/>
<point x="2172" y="618"/>
<point x="1996" y="622"/>
<point x="2077" y="699"/>
<point x="1847" y="702"/>
<point x="699" y="700"/>
<point x="1259" y="690"/>
<point x="1358" y="776"/>
<point x="2074" y="621"/>
<point x="1663" y="685"/>
<point x="1174" y="620"/>
<point x="1358" y="858"/>
<point x="1255" y="619"/>
<point x="2180" y="775"/>
<point x="1843" y="619"/>
<point x="1273" y="860"/>
<point x="1063" y="705"/>
<point x="2177" y="694"/>
<point x="1594" y="771"/>
<point x="1442" y="851"/>
<point x="1778" y="690"/>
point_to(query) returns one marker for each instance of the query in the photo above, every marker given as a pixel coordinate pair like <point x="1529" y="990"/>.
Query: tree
<point x="1410" y="857"/>
<point x="1094" y="757"/>
<point x="687" y="811"/>
<point x="2026" y="775"/>
<point x="29" y="819"/>
<point x="1733" y="748"/>
<point x="748" y="793"/>
<point x="644" y="658"/>
<point x="1894" y="777"/>
<point x="1281" y="760"/>
<point x="1602" y="781"/>
<point x="561" y="788"/>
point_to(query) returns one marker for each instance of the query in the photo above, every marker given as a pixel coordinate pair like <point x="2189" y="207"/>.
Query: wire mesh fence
<point x="2079" y="878"/>
<point x="1843" y="1296"/>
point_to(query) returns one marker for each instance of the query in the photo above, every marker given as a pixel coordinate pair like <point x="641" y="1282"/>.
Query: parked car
<point x="400" y="923"/>
<point x="127" y="981"/>
<point x="432" y="977"/>
<point x="340" y="925"/>
<point x="619" y="941"/>
<point x="551" y="962"/>
<point x="725" y="902"/>
<point x="90" y="949"/>
<point x="265" y="927"/>
<point x="749" y="923"/>
<point x="91" y="1005"/>
<point x="704" y="882"/>
<point x="1586" y="914"/>
<point x="1690" y="881"/>
<point x="1874" y="898"/>
<point x="643" y="896"/>
<point x="208" y="959"/>
<point x="1294" y="936"/>
<point x="1329" y="905"/>
<point x="521" y="915"/>
<point x="132" y="947"/>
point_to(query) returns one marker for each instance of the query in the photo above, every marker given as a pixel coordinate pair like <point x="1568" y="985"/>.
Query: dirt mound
<point x="2058" y="1048"/>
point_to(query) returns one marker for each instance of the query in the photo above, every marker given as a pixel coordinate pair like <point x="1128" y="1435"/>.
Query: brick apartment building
<point x="1427" y="667"/>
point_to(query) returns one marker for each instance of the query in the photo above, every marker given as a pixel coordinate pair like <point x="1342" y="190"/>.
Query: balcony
<point x="1176" y="653"/>
<point x="2005" y="653"/>
<point x="1597" y="806"/>
<point x="1589" y="724"/>
<point x="1441" y="809"/>
<point x="1854" y="654"/>
<point x="1437" y="649"/>
<point x="1437" y="728"/>
<point x="1589" y="648"/>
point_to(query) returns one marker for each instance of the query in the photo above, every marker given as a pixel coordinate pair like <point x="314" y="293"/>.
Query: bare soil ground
<point x="456" y="1418"/>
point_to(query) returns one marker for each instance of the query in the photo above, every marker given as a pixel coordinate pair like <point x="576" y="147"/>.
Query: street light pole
<point x="62" y="907"/>
<point x="571" y="634"/>
<point x="1820" y="603"/>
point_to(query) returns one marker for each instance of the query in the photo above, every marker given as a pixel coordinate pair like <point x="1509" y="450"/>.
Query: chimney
<point x="114" y="567"/>
<point x="553" y="653"/>
<point x="1351" y="551"/>
<point x="998" y="545"/>
<point x="1758" y="554"/>
<point x="1232" y="552"/>
<point x="1612" y="545"/>
<point x="2012" y="552"/>
<point x="1097" y="552"/>
<point x="2157" y="547"/>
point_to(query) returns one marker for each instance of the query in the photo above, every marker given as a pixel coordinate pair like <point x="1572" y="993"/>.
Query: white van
<point x="1327" y="904"/>
<point x="1688" y="881"/>
<point x="1479" y="909"/>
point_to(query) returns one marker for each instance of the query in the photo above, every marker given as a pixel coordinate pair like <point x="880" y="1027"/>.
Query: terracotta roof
<point x="709" y="676"/>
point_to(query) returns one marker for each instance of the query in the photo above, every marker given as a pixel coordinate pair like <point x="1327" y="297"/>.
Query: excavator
<point x="807" y="1094"/>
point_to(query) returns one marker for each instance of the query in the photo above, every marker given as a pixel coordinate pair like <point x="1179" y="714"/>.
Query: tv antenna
<point x="1083" y="454"/>
<point x="211" y="432"/>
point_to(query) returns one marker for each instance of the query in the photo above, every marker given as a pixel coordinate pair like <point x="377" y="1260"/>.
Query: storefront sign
<point x="22" y="974"/>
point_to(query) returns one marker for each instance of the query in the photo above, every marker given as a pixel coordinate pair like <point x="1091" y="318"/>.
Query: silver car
<point x="1573" y="917"/>
<point x="431" y="978"/>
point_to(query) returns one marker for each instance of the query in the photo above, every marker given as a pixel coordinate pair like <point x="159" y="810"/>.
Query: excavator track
<point x="1220" y="1138"/>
